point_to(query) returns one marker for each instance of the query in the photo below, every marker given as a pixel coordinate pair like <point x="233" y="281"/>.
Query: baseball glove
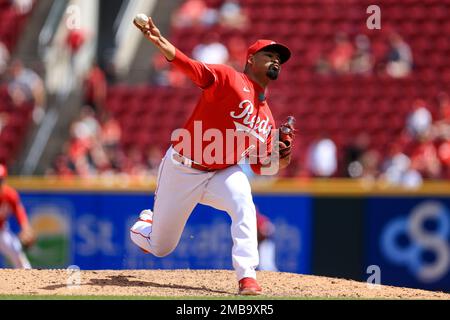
<point x="284" y="150"/>
<point x="27" y="238"/>
<point x="287" y="136"/>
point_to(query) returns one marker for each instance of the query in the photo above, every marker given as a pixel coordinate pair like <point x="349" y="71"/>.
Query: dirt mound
<point x="189" y="283"/>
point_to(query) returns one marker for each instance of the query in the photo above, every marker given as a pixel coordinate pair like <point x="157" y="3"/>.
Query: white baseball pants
<point x="180" y="189"/>
<point x="11" y="248"/>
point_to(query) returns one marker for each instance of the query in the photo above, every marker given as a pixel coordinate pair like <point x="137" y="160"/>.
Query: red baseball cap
<point x="3" y="171"/>
<point x="264" y="44"/>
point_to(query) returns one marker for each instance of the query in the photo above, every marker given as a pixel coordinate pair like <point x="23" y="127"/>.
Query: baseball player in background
<point x="12" y="246"/>
<point x="266" y="243"/>
<point x="231" y="102"/>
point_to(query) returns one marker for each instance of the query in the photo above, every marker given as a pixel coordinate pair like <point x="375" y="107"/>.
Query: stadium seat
<point x="341" y="105"/>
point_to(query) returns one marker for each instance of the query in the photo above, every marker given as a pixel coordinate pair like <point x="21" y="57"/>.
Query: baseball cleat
<point x="145" y="251"/>
<point x="141" y="230"/>
<point x="146" y="216"/>
<point x="249" y="287"/>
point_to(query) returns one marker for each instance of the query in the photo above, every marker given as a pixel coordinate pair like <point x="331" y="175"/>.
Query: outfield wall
<point x="335" y="228"/>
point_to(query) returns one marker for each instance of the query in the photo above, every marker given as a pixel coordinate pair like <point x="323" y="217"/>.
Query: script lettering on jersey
<point x="252" y="125"/>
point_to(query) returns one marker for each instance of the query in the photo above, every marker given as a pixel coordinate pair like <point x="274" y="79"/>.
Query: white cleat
<point x="146" y="216"/>
<point x="140" y="231"/>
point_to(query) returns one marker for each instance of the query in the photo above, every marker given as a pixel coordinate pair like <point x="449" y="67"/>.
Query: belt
<point x="189" y="163"/>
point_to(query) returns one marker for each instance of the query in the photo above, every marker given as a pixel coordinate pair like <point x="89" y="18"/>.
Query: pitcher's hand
<point x="150" y="31"/>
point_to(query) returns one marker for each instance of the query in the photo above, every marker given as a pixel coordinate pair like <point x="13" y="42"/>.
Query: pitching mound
<point x="188" y="283"/>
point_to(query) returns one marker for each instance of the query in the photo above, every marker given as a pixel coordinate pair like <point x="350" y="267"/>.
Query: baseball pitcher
<point x="232" y="104"/>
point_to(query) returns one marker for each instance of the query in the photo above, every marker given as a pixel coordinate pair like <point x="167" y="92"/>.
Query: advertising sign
<point x="91" y="230"/>
<point x="409" y="239"/>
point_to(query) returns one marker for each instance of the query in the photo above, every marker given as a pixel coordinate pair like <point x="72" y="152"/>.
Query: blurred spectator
<point x="232" y="15"/>
<point x="419" y="120"/>
<point x="95" y="88"/>
<point x="86" y="128"/>
<point x="75" y="40"/>
<point x="84" y="132"/>
<point x="99" y="158"/>
<point x="442" y="133"/>
<point x="111" y="131"/>
<point x="398" y="171"/>
<point x="3" y="120"/>
<point x="424" y="158"/>
<point x="194" y="13"/>
<point x="92" y="149"/>
<point x="79" y="157"/>
<point x="26" y="86"/>
<point x="322" y="157"/>
<point x="23" y="6"/>
<point x="370" y="161"/>
<point x="360" y="161"/>
<point x="107" y="64"/>
<point x="322" y="65"/>
<point x="134" y="163"/>
<point x="4" y="58"/>
<point x="341" y="55"/>
<point x="211" y="51"/>
<point x="399" y="57"/>
<point x="153" y="160"/>
<point x="444" y="106"/>
<point x="443" y="148"/>
<point x="442" y="125"/>
<point x="362" y="60"/>
<point x="63" y="166"/>
<point x="353" y="155"/>
<point x="379" y="50"/>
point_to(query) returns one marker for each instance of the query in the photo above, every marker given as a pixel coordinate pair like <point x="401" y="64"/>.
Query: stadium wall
<point x="335" y="228"/>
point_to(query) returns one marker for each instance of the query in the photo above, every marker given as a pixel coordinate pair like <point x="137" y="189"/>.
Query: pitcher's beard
<point x="273" y="73"/>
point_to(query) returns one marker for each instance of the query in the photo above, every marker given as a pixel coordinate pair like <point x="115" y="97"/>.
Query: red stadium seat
<point x="342" y="105"/>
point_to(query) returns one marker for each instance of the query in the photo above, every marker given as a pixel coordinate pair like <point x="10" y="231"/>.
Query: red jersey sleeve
<point x="197" y="71"/>
<point x="16" y="206"/>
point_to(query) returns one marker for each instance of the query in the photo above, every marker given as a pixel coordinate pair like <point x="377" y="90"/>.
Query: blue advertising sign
<point x="409" y="239"/>
<point x="91" y="230"/>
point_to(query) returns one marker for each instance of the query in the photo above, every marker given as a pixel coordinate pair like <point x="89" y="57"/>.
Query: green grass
<point x="37" y="297"/>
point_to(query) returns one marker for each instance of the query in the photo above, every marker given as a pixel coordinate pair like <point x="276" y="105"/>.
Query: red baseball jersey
<point x="231" y="120"/>
<point x="10" y="203"/>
